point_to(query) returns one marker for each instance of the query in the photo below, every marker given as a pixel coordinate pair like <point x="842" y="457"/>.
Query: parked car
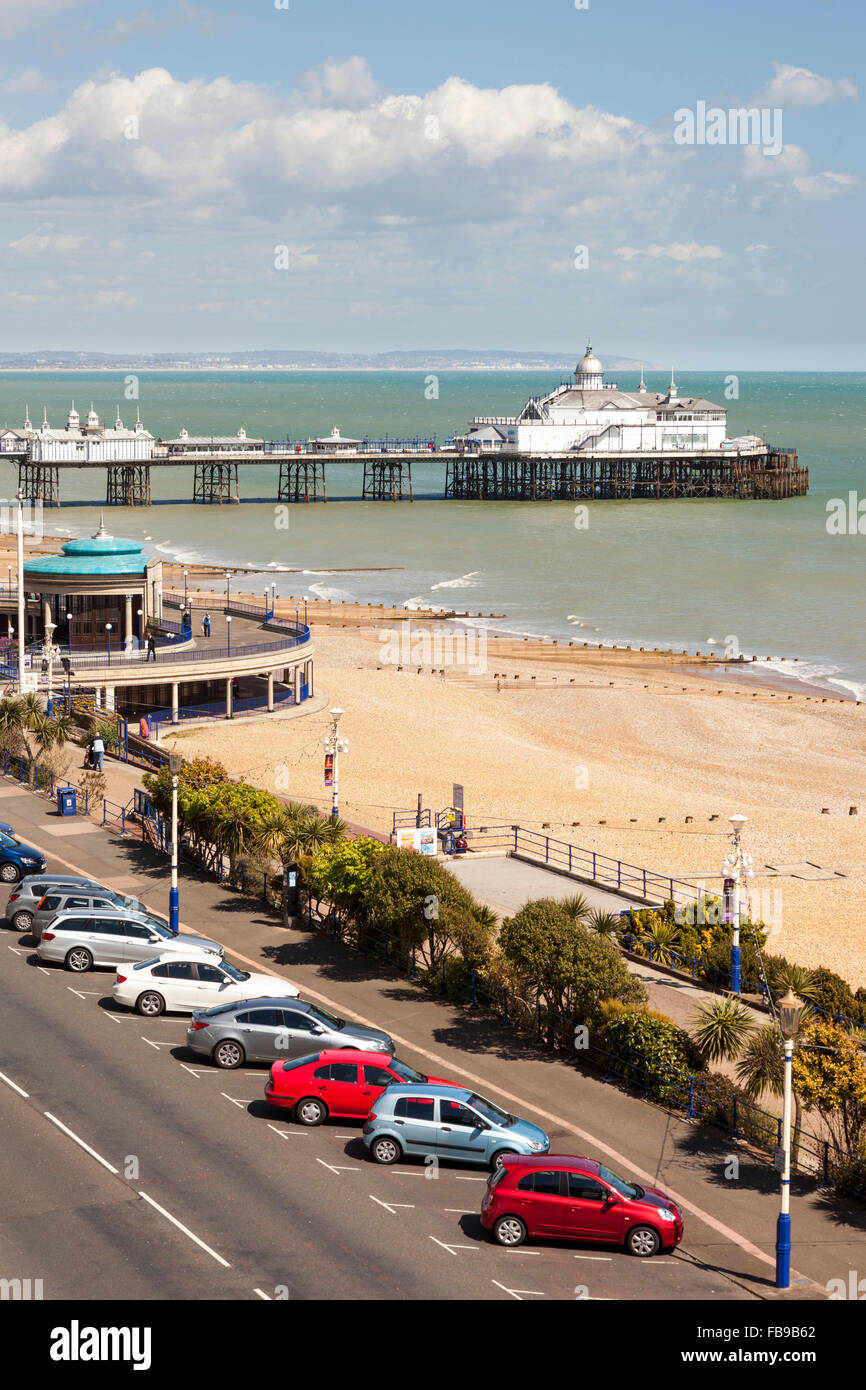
<point x="81" y="941"/>
<point x="191" y="982"/>
<point x="26" y="895"/>
<point x="261" y="1030"/>
<point x="449" y="1122"/>
<point x="81" y="901"/>
<point x="568" y="1198"/>
<point x="337" y="1082"/>
<point x="6" y="828"/>
<point x="17" y="859"/>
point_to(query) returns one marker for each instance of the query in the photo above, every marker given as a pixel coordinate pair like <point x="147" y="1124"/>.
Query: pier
<point x="480" y="474"/>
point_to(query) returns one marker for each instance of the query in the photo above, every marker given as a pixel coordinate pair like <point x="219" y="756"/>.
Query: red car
<point x="341" y="1082"/>
<point x="577" y="1199"/>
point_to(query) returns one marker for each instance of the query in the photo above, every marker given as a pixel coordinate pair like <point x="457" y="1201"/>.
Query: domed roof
<point x="93" y="555"/>
<point x="589" y="364"/>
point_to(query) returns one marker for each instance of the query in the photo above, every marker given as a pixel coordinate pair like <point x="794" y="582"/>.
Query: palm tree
<point x="576" y="907"/>
<point x="761" y="1068"/>
<point x="723" y="1027"/>
<point x="293" y="832"/>
<point x="794" y="977"/>
<point x="605" y="923"/>
<point x="659" y="942"/>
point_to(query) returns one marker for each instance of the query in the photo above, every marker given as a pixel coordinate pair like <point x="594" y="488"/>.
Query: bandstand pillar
<point x="175" y="700"/>
<point x="270" y="692"/>
<point x="127" y="620"/>
<point x="229" y="714"/>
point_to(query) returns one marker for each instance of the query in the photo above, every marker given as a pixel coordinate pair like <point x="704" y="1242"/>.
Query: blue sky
<point x="364" y="176"/>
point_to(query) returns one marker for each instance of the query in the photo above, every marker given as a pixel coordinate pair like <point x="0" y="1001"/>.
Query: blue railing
<point x="414" y="445"/>
<point x="296" y="635"/>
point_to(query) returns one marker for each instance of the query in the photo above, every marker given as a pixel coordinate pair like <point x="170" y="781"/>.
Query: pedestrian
<point x="144" y="726"/>
<point x="151" y="646"/>
<point x="206" y="624"/>
<point x="97" y="752"/>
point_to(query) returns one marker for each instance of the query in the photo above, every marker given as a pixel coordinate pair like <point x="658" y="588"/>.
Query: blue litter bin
<point x="67" y="801"/>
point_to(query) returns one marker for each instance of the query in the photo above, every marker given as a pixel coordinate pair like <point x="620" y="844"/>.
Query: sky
<point x="342" y="176"/>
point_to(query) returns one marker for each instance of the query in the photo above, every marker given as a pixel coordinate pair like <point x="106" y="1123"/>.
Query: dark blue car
<point x="17" y="860"/>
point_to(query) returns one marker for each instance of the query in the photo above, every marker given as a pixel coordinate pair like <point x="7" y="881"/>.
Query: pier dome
<point x="589" y="373"/>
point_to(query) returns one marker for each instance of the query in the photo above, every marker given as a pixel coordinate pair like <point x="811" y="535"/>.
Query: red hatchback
<point x="341" y="1082"/>
<point x="566" y="1198"/>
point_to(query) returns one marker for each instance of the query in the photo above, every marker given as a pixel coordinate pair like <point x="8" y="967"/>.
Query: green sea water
<point x="678" y="573"/>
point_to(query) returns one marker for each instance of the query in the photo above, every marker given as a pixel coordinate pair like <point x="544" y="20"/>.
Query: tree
<point x="654" y="1053"/>
<point x="292" y="833"/>
<point x="829" y="1071"/>
<point x="723" y="1026"/>
<point x="410" y="896"/>
<point x="570" y="968"/>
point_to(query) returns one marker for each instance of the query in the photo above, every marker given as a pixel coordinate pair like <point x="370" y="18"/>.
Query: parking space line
<point x="187" y="1232"/>
<point x="15" y="950"/>
<point x="242" y="1104"/>
<point x="93" y="1154"/>
<point x="76" y="991"/>
<point x="265" y="1296"/>
<point x="518" y="1293"/>
<point x="342" y="1168"/>
<point x="452" y="1248"/>
<point x="190" y="1070"/>
<point x="15" y="1087"/>
<point x="606" y="1259"/>
<point x="290" y="1133"/>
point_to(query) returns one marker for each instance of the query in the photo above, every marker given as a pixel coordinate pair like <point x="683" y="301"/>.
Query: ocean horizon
<point x="765" y="577"/>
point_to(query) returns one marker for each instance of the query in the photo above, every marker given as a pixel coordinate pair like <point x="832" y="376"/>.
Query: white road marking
<point x="290" y="1133"/>
<point x="155" y="1046"/>
<point x="190" y="1070"/>
<point x="43" y="969"/>
<point x="113" y="1017"/>
<point x="451" y="1248"/>
<point x="392" y="1206"/>
<point x="242" y="1104"/>
<point x="339" y="1169"/>
<point x="523" y="1252"/>
<point x="14" y="951"/>
<point x="472" y="1179"/>
<point x="93" y="1154"/>
<point x="187" y="1232"/>
<point x="10" y="1082"/>
<point x="604" y="1258"/>
<point x="265" y="1296"/>
<point x="463" y="1211"/>
<point x="76" y="991"/>
<point x="519" y="1294"/>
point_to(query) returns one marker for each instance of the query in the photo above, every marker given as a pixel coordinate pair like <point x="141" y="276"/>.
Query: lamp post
<point x="185" y="578"/>
<point x="228" y="588"/>
<point x="737" y="868"/>
<point x="68" y="617"/>
<point x="48" y="655"/>
<point x="21" y="624"/>
<point x="335" y="745"/>
<point x="790" y="1009"/>
<point x="175" y="763"/>
<point x="108" y="632"/>
<point x="140" y="629"/>
<point x="229" y="633"/>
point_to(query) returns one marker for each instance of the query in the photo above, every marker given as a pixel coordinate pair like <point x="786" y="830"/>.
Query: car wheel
<point x="386" y="1149"/>
<point x="150" y="1004"/>
<point x="643" y="1241"/>
<point x="310" y="1111"/>
<point x="228" y="1054"/>
<point x="10" y="873"/>
<point x="509" y="1230"/>
<point x="496" y="1160"/>
<point x="79" y="960"/>
<point x="22" y="921"/>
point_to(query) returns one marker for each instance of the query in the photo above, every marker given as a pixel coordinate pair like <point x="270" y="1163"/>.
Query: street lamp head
<point x="336" y="712"/>
<point x="108" y="627"/>
<point x="790" y="1008"/>
<point x="175" y="763"/>
<point x="738" y="822"/>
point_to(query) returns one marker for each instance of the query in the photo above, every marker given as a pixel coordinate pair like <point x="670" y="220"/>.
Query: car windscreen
<point x="7" y="841"/>
<point x="490" y="1111"/>
<point x="406" y="1073"/>
<point x="329" y="1018"/>
<point x="238" y="975"/>
<point x="145" y="964"/>
<point x="301" y="1061"/>
<point x="625" y="1189"/>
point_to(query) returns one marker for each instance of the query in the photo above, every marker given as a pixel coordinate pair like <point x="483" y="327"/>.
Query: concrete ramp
<point x="505" y="884"/>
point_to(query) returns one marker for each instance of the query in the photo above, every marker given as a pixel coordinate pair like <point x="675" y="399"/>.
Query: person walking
<point x="97" y="752"/>
<point x="205" y="625"/>
<point x="151" y="647"/>
<point x="144" y="726"/>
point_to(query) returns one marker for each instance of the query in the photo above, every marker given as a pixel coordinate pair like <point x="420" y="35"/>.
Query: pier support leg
<point x="127" y="485"/>
<point x="39" y="482"/>
<point x="216" y="482"/>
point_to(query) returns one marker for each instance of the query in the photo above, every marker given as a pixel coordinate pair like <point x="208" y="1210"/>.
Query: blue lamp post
<point x="229" y="633"/>
<point x="790" y="1009"/>
<point x="737" y="866"/>
<point x="140" y="629"/>
<point x="175" y="763"/>
<point x="108" y="631"/>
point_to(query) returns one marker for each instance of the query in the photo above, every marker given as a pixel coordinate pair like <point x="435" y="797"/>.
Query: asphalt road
<point x="266" y="1209"/>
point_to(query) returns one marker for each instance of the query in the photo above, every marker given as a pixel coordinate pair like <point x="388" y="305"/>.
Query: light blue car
<point x="447" y="1122"/>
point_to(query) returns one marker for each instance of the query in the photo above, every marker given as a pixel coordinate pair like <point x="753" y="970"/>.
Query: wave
<point x="332" y="594"/>
<point x="464" y="582"/>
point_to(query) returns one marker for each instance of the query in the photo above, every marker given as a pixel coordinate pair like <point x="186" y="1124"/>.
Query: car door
<point x="299" y="1034"/>
<point x="462" y="1134"/>
<point x="590" y="1213"/>
<point x="181" y="985"/>
<point x="341" y="1088"/>
<point x="373" y="1081"/>
<point x="139" y="940"/>
<point x="417" y="1124"/>
<point x="541" y="1199"/>
<point x="259" y="1030"/>
<point x="110" y="940"/>
<point x="210" y="986"/>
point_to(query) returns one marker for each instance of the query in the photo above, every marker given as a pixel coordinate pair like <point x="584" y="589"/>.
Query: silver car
<point x="273" y="1030"/>
<point x="26" y="895"/>
<point x="80" y="901"/>
<point x="81" y="941"/>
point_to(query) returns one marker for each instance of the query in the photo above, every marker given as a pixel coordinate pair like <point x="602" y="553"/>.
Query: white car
<point x="165" y="982"/>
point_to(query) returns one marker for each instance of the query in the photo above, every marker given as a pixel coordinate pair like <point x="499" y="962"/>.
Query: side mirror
<point x="612" y="1199"/>
<point x="319" y="1028"/>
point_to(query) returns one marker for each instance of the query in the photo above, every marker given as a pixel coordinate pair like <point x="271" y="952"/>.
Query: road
<point x="248" y="1205"/>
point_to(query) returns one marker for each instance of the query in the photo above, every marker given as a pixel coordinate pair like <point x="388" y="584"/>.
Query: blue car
<point x="447" y="1122"/>
<point x="17" y="860"/>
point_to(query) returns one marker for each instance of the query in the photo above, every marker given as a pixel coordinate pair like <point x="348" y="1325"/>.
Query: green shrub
<point x="714" y="1098"/>
<point x="654" y="1054"/>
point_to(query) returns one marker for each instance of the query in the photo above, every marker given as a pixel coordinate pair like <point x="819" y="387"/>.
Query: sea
<point x="774" y="579"/>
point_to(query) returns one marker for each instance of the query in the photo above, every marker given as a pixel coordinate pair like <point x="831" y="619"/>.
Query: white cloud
<point x="792" y="86"/>
<point x="44" y="242"/>
<point x="27" y="83"/>
<point x="16" y="16"/>
<point x="115" y="299"/>
<point x="790" y="173"/>
<point x="674" y="251"/>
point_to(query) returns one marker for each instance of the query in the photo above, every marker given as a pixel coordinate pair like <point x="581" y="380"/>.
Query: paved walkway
<point x="730" y="1220"/>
